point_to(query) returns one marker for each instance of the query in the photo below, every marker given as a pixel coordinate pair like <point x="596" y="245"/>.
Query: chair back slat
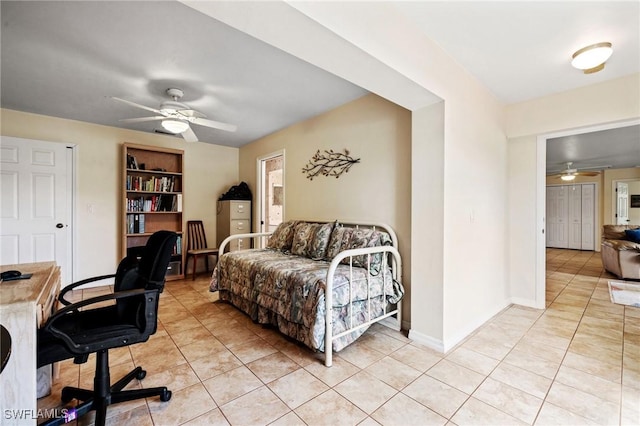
<point x="196" y="237"/>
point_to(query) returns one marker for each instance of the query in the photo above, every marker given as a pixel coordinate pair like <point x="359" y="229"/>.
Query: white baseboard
<point x="428" y="341"/>
<point x="529" y="303"/>
<point x="445" y="346"/>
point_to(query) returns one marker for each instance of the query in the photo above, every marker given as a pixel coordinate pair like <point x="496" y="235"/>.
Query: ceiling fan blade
<point x="214" y="124"/>
<point x="191" y="113"/>
<point x="189" y="136"/>
<point x="137" y="105"/>
<point x="142" y="119"/>
<point x="587" y="173"/>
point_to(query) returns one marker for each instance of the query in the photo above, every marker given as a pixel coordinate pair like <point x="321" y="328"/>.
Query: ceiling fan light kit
<point x="591" y="59"/>
<point x="568" y="177"/>
<point x="174" y="126"/>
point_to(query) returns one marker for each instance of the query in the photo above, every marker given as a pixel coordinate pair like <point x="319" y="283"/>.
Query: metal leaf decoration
<point x="329" y="163"/>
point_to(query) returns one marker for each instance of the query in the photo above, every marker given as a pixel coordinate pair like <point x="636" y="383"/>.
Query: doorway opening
<point x="270" y="191"/>
<point x="541" y="217"/>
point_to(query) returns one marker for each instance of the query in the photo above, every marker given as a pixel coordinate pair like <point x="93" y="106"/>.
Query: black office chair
<point x="76" y="330"/>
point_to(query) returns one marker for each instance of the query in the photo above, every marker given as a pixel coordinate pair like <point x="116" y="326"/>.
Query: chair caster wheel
<point x="165" y="396"/>
<point x="141" y="374"/>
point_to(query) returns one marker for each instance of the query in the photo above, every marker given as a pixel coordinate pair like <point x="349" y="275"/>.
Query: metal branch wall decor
<point x="329" y="163"/>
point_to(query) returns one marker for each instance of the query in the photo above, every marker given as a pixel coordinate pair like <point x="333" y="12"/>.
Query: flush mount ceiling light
<point x="174" y="126"/>
<point x="592" y="58"/>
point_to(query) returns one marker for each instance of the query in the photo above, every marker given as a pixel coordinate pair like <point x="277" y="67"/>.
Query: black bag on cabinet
<point x="237" y="192"/>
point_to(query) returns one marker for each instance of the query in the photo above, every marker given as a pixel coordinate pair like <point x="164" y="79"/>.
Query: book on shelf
<point x="155" y="203"/>
<point x="135" y="224"/>
<point x="151" y="184"/>
<point x="177" y="249"/>
<point x="132" y="163"/>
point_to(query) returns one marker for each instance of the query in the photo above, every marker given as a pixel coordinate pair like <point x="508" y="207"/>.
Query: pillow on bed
<point x="343" y="238"/>
<point x="311" y="239"/>
<point x="282" y="237"/>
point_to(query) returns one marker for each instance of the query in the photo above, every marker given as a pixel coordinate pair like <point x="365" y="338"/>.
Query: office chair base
<point x="104" y="395"/>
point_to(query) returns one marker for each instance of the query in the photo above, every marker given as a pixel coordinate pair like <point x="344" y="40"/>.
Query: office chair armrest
<point x="70" y="287"/>
<point x="81" y="348"/>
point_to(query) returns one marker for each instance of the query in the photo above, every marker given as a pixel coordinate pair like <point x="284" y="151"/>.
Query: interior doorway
<point x="271" y="191"/>
<point x="541" y="185"/>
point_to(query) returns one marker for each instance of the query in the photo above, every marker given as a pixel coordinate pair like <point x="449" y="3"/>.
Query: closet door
<point x="557" y="226"/>
<point x="588" y="217"/>
<point x="575" y="216"/>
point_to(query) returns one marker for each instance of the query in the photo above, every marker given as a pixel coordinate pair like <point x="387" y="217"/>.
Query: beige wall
<point x="613" y="101"/>
<point x="610" y="179"/>
<point x="378" y="189"/>
<point x="209" y="171"/>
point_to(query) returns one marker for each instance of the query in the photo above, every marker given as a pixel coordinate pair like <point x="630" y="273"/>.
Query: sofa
<point x="621" y="250"/>
<point x="320" y="283"/>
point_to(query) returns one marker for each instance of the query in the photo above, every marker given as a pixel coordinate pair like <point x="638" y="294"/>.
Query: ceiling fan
<point x="176" y="117"/>
<point x="570" y="173"/>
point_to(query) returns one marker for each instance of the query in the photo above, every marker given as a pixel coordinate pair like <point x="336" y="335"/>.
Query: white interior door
<point x="588" y="217"/>
<point x="271" y="191"/>
<point x="557" y="216"/>
<point x="575" y="216"/>
<point x="622" y="203"/>
<point x="35" y="209"/>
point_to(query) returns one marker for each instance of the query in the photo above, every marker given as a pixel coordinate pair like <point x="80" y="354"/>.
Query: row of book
<point x="151" y="183"/>
<point x="135" y="224"/>
<point x="155" y="203"/>
<point x="177" y="249"/>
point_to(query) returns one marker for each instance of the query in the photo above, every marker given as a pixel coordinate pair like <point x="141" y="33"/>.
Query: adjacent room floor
<point x="577" y="362"/>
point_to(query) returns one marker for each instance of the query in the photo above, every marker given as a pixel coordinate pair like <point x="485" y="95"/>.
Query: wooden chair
<point x="197" y="246"/>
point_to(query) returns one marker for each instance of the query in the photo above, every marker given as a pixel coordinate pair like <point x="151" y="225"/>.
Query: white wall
<point x="614" y="101"/>
<point x="427" y="207"/>
<point x="209" y="171"/>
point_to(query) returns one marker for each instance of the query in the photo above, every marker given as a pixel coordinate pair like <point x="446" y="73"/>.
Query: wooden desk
<point x="24" y="306"/>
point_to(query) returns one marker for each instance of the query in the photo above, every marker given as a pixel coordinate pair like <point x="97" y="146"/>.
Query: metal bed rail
<point x="396" y="274"/>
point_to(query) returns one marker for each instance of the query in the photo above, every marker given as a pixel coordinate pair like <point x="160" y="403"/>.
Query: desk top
<point x="26" y="290"/>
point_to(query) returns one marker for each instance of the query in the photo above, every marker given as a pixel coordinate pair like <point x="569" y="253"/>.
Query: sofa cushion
<point x="282" y="238"/>
<point x="616" y="232"/>
<point x="311" y="239"/>
<point x="633" y="235"/>
<point x="621" y="245"/>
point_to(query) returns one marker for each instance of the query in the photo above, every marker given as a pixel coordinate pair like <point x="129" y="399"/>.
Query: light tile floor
<point x="577" y="362"/>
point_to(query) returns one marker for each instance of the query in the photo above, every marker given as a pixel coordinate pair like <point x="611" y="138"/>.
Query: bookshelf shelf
<point x="152" y="182"/>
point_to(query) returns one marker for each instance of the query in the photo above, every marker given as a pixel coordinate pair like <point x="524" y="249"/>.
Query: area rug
<point x="625" y="293"/>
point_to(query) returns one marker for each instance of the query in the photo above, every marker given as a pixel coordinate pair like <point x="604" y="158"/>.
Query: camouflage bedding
<point x="287" y="291"/>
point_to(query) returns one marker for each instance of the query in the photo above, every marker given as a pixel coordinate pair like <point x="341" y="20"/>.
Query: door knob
<point x="59" y="225"/>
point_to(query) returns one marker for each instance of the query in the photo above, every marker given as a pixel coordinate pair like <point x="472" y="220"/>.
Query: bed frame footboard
<point x="396" y="268"/>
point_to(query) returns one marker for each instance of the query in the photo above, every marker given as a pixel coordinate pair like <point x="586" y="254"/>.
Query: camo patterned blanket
<point x="288" y="291"/>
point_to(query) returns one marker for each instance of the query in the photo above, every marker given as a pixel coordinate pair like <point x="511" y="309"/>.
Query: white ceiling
<point x="65" y="59"/>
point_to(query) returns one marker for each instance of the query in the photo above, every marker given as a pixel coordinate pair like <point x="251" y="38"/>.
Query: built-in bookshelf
<point x="152" y="185"/>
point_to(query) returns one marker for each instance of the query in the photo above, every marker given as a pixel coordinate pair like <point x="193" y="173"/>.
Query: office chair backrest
<point x="155" y="260"/>
<point x="149" y="273"/>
